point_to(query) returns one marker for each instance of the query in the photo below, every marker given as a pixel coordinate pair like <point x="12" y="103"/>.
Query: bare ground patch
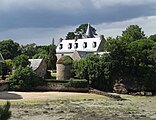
<point x="81" y="106"/>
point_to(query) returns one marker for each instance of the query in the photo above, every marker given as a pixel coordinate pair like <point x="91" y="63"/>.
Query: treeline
<point x="16" y="68"/>
<point x="131" y="61"/>
<point x="11" y="49"/>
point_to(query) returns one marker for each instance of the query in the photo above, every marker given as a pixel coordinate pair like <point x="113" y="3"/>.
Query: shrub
<point x="65" y="60"/>
<point x="5" y="113"/>
<point x="77" y="83"/>
<point x="24" y="79"/>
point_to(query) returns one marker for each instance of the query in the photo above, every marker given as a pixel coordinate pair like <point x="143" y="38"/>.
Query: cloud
<point x="60" y="13"/>
<point x="43" y="36"/>
<point x="40" y="36"/>
<point x="108" y="3"/>
<point x="39" y="21"/>
<point x="114" y="29"/>
<point x="41" y="4"/>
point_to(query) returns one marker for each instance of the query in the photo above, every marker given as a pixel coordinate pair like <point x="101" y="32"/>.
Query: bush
<point x="77" y="83"/>
<point x="5" y="114"/>
<point x="65" y="60"/>
<point x="24" y="79"/>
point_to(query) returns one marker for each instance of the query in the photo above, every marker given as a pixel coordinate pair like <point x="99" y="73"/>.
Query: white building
<point x="78" y="48"/>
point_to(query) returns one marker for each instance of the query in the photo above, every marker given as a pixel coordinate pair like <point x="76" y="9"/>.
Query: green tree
<point x="95" y="69"/>
<point x="24" y="79"/>
<point x="70" y="36"/>
<point x="5" y="112"/>
<point x="21" y="61"/>
<point x="79" y="32"/>
<point x="9" y="49"/>
<point x="29" y="50"/>
<point x="52" y="59"/>
<point x="133" y="58"/>
<point x="153" y="37"/>
<point x="133" y="32"/>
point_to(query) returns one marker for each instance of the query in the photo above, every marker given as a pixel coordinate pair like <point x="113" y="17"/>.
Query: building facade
<point x="78" y="48"/>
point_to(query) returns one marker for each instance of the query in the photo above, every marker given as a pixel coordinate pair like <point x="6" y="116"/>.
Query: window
<point x="69" y="45"/>
<point x="61" y="46"/>
<point x="85" y="45"/>
<point x="76" y="45"/>
<point x="94" y="44"/>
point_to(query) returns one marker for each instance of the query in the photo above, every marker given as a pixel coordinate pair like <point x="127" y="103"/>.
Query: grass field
<point x="81" y="106"/>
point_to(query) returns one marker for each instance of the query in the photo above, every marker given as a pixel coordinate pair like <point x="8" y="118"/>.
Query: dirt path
<point x="24" y="96"/>
<point x="78" y="106"/>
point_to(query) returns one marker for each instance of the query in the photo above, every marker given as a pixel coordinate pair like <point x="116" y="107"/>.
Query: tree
<point x="24" y="79"/>
<point x="153" y="37"/>
<point x="133" y="32"/>
<point x="29" y="50"/>
<point x="95" y="69"/>
<point x="21" y="61"/>
<point x="79" y="32"/>
<point x="133" y="58"/>
<point x="52" y="59"/>
<point x="5" y="113"/>
<point x="70" y="36"/>
<point x="9" y="49"/>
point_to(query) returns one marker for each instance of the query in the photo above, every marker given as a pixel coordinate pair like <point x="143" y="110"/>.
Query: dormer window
<point x="69" y="45"/>
<point x="76" y="45"/>
<point x="94" y="44"/>
<point x="85" y="45"/>
<point x="61" y="46"/>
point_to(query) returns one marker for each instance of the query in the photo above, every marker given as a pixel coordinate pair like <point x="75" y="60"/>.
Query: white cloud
<point x="107" y="3"/>
<point x="148" y="25"/>
<point x="40" y="36"/>
<point x="44" y="36"/>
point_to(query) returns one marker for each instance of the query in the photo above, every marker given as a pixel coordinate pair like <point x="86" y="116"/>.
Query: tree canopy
<point x="79" y="32"/>
<point x="131" y="59"/>
<point x="9" y="49"/>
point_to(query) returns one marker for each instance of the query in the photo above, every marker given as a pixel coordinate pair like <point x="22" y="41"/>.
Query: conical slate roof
<point x="89" y="32"/>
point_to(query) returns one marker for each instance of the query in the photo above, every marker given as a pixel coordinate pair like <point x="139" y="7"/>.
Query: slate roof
<point x="89" y="32"/>
<point x="80" y="42"/>
<point x="35" y="63"/>
<point x="1" y="58"/>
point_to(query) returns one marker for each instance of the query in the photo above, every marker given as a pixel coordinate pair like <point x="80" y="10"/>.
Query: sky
<point x="39" y="21"/>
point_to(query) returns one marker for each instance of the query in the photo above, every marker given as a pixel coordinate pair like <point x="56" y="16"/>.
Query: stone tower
<point x="64" y="66"/>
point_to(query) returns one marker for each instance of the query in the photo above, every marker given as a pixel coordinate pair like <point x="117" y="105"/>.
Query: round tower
<point x="64" y="66"/>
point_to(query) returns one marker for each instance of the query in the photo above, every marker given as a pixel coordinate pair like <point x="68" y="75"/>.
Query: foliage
<point x="79" y="32"/>
<point x="70" y="36"/>
<point x="65" y="60"/>
<point x="95" y="69"/>
<point x="133" y="32"/>
<point x="29" y="50"/>
<point x="6" y="68"/>
<point x="0" y="68"/>
<point x="153" y="37"/>
<point x="9" y="49"/>
<point x="131" y="58"/>
<point x="21" y="61"/>
<point x="77" y="83"/>
<point x="24" y="79"/>
<point x="52" y="57"/>
<point x="5" y="113"/>
<point x="133" y="55"/>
